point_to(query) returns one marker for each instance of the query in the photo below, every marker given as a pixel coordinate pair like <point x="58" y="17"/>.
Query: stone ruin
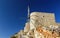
<point x="40" y="25"/>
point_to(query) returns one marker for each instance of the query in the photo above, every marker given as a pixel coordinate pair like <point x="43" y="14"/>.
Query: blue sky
<point x="13" y="13"/>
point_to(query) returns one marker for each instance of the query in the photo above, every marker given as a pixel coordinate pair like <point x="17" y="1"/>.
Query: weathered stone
<point x="27" y="27"/>
<point x="40" y="25"/>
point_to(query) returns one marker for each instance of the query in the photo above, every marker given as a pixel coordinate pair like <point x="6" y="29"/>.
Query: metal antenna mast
<point x="28" y="13"/>
<point x="28" y="16"/>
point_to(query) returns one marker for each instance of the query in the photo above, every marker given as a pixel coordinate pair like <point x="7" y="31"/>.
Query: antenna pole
<point x="28" y="12"/>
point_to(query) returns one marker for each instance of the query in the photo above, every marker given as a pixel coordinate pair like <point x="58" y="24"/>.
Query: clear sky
<point x="13" y="13"/>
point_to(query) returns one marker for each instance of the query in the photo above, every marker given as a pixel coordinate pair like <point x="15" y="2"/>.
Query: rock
<point x="40" y="25"/>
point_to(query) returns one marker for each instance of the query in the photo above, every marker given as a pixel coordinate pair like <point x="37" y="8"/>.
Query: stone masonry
<point x="40" y="25"/>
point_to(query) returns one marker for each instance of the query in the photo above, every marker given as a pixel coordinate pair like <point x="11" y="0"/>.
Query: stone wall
<point x="41" y="25"/>
<point x="41" y="18"/>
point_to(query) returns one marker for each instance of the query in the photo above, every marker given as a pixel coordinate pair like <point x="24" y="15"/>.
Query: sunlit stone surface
<point x="40" y="25"/>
